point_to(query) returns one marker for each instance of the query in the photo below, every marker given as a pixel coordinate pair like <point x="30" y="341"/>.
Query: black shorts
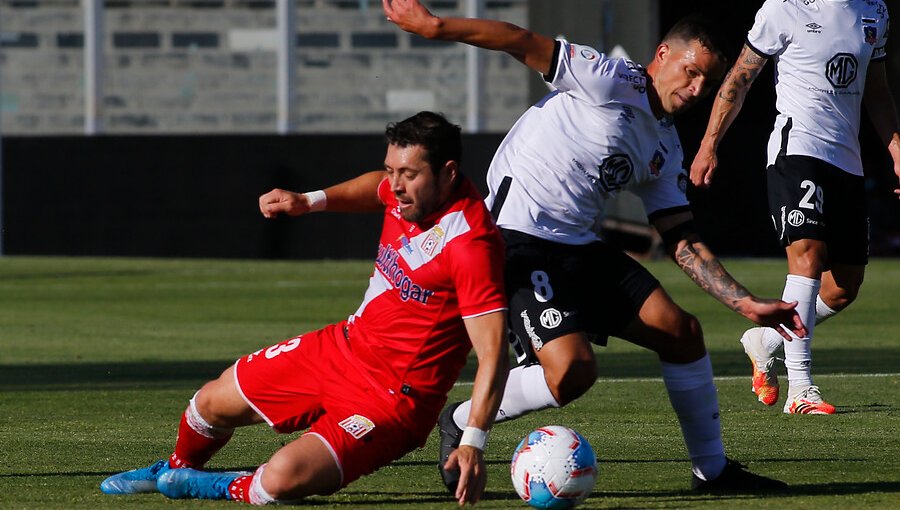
<point x="555" y="289"/>
<point x="812" y="199"/>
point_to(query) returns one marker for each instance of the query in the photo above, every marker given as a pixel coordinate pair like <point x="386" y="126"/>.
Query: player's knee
<point x="838" y="298"/>
<point x="208" y="402"/>
<point x="287" y="481"/>
<point x="808" y="261"/>
<point x="574" y="381"/>
<point x="687" y="342"/>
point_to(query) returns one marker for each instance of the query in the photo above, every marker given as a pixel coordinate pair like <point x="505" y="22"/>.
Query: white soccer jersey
<point x="580" y="145"/>
<point x="822" y="50"/>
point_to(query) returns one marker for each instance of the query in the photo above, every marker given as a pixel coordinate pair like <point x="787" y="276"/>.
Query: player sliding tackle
<point x="607" y="127"/>
<point x="370" y="388"/>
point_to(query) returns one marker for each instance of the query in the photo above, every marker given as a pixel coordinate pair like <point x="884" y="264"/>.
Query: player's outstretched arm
<point x="488" y="335"/>
<point x="725" y="109"/>
<point x="359" y="194"/>
<point x="704" y="268"/>
<point x="881" y="109"/>
<point x="530" y="48"/>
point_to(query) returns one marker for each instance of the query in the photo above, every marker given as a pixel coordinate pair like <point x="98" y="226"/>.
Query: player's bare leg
<point x="220" y="403"/>
<point x="302" y="468"/>
<point x="664" y="328"/>
<point x="206" y="426"/>
<point x="676" y="337"/>
<point x="570" y="368"/>
<point x="840" y="287"/>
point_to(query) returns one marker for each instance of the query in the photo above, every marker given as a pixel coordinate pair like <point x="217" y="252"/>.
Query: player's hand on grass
<point x="410" y="16"/>
<point x="280" y="201"/>
<point x="775" y="314"/>
<point x="472" y="473"/>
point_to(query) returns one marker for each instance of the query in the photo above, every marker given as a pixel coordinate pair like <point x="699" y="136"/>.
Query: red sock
<point x="193" y="449"/>
<point x="239" y="490"/>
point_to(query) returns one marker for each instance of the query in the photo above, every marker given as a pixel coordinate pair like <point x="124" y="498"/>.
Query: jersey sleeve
<point x="667" y="193"/>
<point x="476" y="263"/>
<point x="772" y="29"/>
<point x="584" y="72"/>
<point x="879" y="53"/>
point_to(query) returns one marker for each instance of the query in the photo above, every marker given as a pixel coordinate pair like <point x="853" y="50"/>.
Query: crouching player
<point x="370" y="388"/>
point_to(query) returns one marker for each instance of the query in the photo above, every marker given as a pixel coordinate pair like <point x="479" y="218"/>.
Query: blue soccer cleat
<point x="191" y="483"/>
<point x="136" y="481"/>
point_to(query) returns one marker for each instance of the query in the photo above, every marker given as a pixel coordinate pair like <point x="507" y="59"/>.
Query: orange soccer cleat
<point x="764" y="383"/>
<point x="809" y="401"/>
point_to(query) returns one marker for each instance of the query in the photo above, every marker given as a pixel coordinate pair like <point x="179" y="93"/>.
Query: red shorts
<point x="311" y="382"/>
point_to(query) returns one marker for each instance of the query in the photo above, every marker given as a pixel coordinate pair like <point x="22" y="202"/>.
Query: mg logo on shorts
<point x="841" y="70"/>
<point x="796" y="218"/>
<point x="550" y="318"/>
<point x="357" y="425"/>
<point x="615" y="172"/>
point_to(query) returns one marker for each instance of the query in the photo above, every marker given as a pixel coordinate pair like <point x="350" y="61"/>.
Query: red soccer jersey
<point x="409" y="332"/>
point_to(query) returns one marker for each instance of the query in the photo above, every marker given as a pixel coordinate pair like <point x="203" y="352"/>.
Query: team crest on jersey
<point x="357" y="425"/>
<point x="871" y="34"/>
<point x="615" y="172"/>
<point x="657" y="162"/>
<point x="683" y="182"/>
<point x="432" y="240"/>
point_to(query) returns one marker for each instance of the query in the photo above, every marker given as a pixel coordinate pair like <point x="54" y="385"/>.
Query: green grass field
<point x="98" y="358"/>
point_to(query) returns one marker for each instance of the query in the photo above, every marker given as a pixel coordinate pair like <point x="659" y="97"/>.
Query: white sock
<point x="693" y="397"/>
<point x="526" y="391"/>
<point x="823" y="311"/>
<point x="259" y="495"/>
<point x="771" y="340"/>
<point x="200" y="426"/>
<point x="798" y="352"/>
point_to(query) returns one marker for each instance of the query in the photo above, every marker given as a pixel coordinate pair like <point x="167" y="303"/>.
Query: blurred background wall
<point x="187" y="121"/>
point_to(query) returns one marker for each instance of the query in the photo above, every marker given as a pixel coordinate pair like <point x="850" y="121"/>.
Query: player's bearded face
<point x="418" y="191"/>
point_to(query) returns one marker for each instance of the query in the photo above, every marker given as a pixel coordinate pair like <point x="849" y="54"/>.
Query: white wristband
<point x="317" y="200"/>
<point x="474" y="437"/>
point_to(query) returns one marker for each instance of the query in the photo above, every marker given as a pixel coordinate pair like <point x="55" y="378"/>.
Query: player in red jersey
<point x="370" y="388"/>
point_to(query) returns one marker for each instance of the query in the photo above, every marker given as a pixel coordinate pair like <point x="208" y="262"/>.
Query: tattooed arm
<point x="725" y="109"/>
<point x="704" y="268"/>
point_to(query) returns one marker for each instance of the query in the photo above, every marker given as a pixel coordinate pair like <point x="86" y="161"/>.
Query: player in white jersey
<point x="606" y="127"/>
<point x="829" y="60"/>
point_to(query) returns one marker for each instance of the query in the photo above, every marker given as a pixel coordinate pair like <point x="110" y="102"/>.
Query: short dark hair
<point x="441" y="139"/>
<point x="702" y="29"/>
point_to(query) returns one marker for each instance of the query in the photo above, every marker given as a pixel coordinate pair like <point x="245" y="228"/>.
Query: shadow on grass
<point x="109" y="376"/>
<point x="178" y="374"/>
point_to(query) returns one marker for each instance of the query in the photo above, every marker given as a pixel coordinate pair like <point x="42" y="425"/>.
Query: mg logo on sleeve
<point x="841" y="70"/>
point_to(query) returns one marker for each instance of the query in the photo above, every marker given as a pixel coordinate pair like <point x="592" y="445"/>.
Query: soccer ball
<point x="554" y="467"/>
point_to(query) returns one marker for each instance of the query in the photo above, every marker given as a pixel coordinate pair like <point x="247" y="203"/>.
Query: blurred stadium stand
<point x="189" y="105"/>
